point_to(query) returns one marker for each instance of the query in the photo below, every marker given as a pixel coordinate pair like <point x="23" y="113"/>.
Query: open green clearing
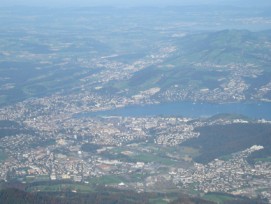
<point x="219" y="199"/>
<point x="82" y="188"/>
<point x="106" y="180"/>
<point x="146" y="157"/>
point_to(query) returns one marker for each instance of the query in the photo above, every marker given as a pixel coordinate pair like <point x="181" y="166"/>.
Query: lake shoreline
<point x="260" y="110"/>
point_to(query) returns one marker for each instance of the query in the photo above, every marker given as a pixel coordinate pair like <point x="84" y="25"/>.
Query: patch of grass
<point x="110" y="179"/>
<point x="158" y="201"/>
<point x="43" y="177"/>
<point x="219" y="199"/>
<point x="145" y="157"/>
<point x="30" y="179"/>
<point x="118" y="150"/>
<point x="137" y="177"/>
<point x="82" y="188"/>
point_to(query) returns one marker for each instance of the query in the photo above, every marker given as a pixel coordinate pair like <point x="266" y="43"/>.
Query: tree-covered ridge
<point x="220" y="140"/>
<point x="15" y="196"/>
<point x="107" y="196"/>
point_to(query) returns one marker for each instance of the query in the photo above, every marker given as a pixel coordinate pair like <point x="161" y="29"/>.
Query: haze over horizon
<point x="131" y="3"/>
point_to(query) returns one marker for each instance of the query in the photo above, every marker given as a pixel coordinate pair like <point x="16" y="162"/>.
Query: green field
<point x="219" y="199"/>
<point x="147" y="157"/>
<point x="106" y="180"/>
<point x="159" y="201"/>
<point x="82" y="188"/>
<point x="78" y="187"/>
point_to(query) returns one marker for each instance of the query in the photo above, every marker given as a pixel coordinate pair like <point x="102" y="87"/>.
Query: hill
<point x="15" y="196"/>
<point x="209" y="62"/>
<point x="220" y="140"/>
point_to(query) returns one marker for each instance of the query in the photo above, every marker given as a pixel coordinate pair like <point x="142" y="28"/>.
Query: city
<point x="130" y="100"/>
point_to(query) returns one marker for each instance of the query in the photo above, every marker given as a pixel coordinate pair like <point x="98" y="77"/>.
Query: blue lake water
<point x="189" y="109"/>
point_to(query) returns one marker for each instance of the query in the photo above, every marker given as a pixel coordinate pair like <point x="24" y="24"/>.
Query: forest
<point x="220" y="140"/>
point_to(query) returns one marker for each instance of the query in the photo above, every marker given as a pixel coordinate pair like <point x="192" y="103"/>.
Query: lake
<point x="189" y="109"/>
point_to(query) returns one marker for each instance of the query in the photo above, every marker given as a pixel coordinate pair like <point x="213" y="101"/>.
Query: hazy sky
<point x="81" y="3"/>
<point x="94" y="2"/>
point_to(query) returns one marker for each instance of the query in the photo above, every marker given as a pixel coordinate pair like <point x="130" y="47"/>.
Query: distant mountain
<point x="209" y="61"/>
<point x="226" y="46"/>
